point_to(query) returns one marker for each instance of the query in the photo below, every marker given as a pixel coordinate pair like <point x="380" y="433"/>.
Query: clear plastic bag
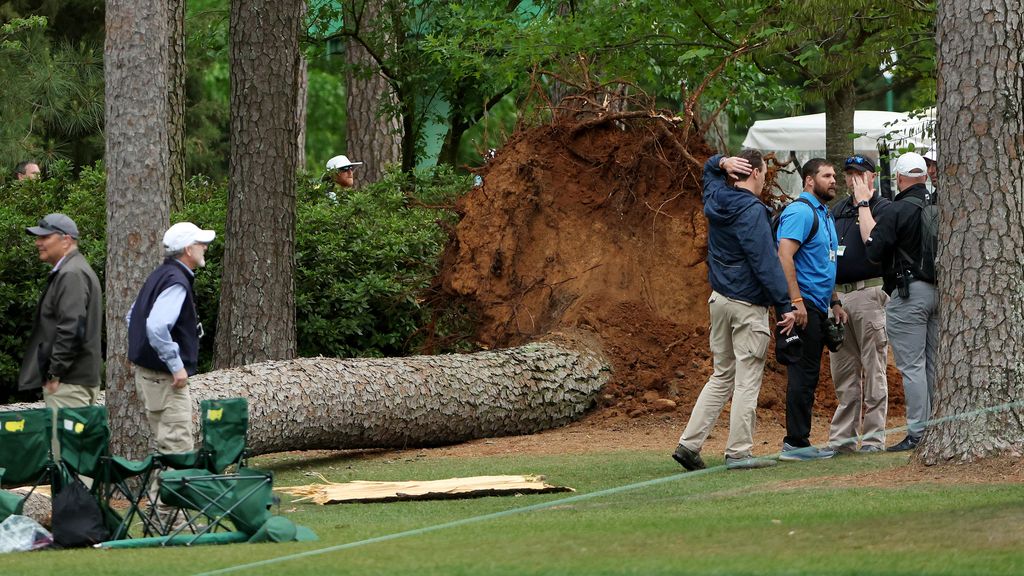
<point x="21" y="533"/>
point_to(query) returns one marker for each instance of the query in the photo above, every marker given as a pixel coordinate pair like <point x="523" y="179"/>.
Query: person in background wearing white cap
<point x="64" y="356"/>
<point x="912" y="323"/>
<point x="163" y="337"/>
<point x="931" y="158"/>
<point x="341" y="171"/>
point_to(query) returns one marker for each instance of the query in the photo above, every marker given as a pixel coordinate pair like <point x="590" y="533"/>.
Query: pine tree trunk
<point x="256" y="320"/>
<point x="176" y="101"/>
<point x="135" y="64"/>
<point x="301" y="106"/>
<point x="839" y="111"/>
<point x="330" y="403"/>
<point x="981" y="232"/>
<point x="372" y="138"/>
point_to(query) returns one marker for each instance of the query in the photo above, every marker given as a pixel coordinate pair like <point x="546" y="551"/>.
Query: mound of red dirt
<point x="601" y="228"/>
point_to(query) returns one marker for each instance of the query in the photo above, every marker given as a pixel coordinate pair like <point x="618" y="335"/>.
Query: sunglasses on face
<point x="346" y="169"/>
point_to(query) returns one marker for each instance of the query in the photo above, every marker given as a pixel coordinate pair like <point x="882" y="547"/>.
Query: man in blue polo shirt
<point x="808" y="255"/>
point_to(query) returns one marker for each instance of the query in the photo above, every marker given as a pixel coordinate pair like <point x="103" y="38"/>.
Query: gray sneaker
<point x="870" y="449"/>
<point x="748" y="463"/>
<point x="794" y="454"/>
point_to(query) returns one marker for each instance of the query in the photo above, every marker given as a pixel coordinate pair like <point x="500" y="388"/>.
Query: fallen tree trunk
<point x="330" y="403"/>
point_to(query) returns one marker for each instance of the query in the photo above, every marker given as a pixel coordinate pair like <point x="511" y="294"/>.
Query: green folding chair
<point x="25" y="455"/>
<point x="84" y="437"/>
<point x="208" y="502"/>
<point x="225" y="427"/>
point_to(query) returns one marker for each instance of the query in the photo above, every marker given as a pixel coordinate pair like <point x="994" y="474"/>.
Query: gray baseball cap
<point x="54" y="224"/>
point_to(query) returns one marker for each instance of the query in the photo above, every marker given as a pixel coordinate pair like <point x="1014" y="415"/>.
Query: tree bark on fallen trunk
<point x="330" y="403"/>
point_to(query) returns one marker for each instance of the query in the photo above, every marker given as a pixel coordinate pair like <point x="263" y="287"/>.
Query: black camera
<point x="834" y="334"/>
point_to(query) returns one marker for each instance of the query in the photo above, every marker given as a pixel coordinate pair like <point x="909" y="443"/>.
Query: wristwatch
<point x="864" y="204"/>
<point x="835" y="303"/>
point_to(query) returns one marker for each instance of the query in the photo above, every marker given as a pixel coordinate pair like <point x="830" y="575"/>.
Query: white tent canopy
<point x="805" y="133"/>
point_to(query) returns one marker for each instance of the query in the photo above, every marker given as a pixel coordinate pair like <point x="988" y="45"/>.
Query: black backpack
<point x="778" y="218"/>
<point x="924" y="267"/>
<point x="77" y="519"/>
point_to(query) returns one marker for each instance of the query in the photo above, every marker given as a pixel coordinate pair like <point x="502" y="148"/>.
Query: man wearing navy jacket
<point x="746" y="278"/>
<point x="163" y="337"/>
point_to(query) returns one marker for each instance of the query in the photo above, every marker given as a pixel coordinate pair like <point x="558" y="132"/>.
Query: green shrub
<point x="363" y="258"/>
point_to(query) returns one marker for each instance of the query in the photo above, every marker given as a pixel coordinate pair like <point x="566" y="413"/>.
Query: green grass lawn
<point x="713" y="522"/>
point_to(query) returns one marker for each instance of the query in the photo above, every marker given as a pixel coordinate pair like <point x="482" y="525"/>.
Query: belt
<point x="858" y="285"/>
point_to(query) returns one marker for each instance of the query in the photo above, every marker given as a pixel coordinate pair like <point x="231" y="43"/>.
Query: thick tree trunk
<point x="135" y="64"/>
<point x="176" y="101"/>
<point x="330" y="403"/>
<point x="839" y="110"/>
<point x="256" y="320"/>
<point x="371" y="137"/>
<point x="981" y="232"/>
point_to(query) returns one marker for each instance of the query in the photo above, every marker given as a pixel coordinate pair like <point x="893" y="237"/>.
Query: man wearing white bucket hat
<point x="341" y="170"/>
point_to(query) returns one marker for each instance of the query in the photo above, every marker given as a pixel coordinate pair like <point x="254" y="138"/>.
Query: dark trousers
<point x="802" y="380"/>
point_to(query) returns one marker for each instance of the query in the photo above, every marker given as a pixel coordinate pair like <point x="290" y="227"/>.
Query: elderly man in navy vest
<point x="163" y="337"/>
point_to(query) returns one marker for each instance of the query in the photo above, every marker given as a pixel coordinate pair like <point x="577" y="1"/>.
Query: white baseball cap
<point x="185" y="234"/>
<point x="339" y="162"/>
<point x="932" y="155"/>
<point x="911" y="164"/>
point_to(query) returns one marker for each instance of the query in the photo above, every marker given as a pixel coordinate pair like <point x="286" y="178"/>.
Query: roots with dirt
<point x="597" y="222"/>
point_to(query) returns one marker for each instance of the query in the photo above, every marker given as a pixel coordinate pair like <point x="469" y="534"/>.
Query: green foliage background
<point x="365" y="260"/>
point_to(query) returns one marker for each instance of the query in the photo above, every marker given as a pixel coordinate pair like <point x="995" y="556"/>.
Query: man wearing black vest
<point x="858" y="366"/>
<point x="163" y="337"/>
<point x="912" y="319"/>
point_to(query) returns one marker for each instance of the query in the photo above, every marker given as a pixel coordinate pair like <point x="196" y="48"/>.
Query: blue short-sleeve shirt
<point x="815" y="262"/>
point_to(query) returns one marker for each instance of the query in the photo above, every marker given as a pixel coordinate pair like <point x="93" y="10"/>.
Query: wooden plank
<point x="355" y="491"/>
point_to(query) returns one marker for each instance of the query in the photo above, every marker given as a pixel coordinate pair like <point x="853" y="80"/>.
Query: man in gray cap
<point x="63" y="356"/>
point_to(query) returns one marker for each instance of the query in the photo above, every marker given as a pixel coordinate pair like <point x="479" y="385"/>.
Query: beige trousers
<point x="858" y="372"/>
<point x="168" y="409"/>
<point x="739" y="341"/>
<point x="68" y="396"/>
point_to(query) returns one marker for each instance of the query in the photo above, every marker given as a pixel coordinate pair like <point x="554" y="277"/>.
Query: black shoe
<point x="688" y="458"/>
<point x="908" y="443"/>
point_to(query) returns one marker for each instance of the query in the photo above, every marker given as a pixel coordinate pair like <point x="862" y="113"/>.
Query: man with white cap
<point x="64" y="356"/>
<point x="903" y="242"/>
<point x="163" y="337"/>
<point x="341" y="170"/>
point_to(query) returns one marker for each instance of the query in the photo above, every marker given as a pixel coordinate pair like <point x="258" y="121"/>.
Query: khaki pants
<point x="168" y="409"/>
<point x="858" y="372"/>
<point x="68" y="396"/>
<point x="739" y="341"/>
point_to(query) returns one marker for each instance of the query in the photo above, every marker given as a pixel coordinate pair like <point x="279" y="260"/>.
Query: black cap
<point x="859" y="163"/>
<point x="54" y="224"/>
<point x="788" y="349"/>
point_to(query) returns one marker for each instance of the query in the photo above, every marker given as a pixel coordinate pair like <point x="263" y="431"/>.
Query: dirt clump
<point x="603" y="229"/>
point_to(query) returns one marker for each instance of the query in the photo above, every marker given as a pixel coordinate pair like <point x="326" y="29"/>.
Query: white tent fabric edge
<point x="803" y="133"/>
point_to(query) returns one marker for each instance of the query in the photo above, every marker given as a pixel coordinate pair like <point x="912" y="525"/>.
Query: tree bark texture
<point x="176" y="101"/>
<point x="330" y="403"/>
<point x="301" y="106"/>
<point x="256" y="320"/>
<point x="135" y="66"/>
<point x="981" y="232"/>
<point x="371" y="137"/>
<point x="839" y="111"/>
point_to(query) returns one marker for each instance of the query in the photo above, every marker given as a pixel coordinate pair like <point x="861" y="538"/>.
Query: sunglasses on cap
<point x="44" y="223"/>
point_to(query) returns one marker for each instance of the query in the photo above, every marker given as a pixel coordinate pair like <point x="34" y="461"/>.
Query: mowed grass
<point x="713" y="522"/>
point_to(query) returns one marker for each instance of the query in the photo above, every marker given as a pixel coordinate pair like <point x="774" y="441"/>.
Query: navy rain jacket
<point x="743" y="263"/>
